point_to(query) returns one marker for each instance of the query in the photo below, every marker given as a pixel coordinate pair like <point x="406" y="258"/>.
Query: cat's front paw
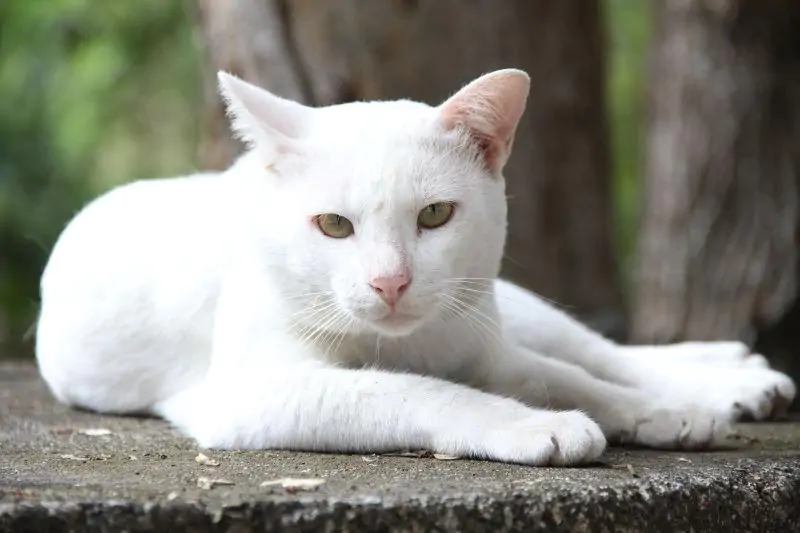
<point x="547" y="438"/>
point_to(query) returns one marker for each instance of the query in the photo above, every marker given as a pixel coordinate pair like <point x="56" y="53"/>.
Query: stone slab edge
<point x="756" y="495"/>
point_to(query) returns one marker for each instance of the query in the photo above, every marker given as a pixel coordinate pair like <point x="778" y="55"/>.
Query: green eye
<point x="435" y="215"/>
<point x="335" y="226"/>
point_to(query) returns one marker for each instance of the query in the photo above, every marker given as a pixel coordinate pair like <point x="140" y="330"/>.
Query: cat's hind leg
<point x="716" y="375"/>
<point x="626" y="414"/>
<point x="723" y="377"/>
<point x="715" y="353"/>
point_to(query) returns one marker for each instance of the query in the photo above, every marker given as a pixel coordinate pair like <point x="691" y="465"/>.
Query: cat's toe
<point x="755" y="406"/>
<point x="755" y="360"/>
<point x="689" y="429"/>
<point x="786" y="390"/>
<point x="783" y="400"/>
<point x="577" y="441"/>
<point x="781" y="396"/>
<point x="702" y="430"/>
<point x="558" y="438"/>
<point x="757" y="394"/>
<point x="673" y="428"/>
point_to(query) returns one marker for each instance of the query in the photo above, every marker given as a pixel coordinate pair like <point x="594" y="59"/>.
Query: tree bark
<point x="718" y="249"/>
<point x="321" y="53"/>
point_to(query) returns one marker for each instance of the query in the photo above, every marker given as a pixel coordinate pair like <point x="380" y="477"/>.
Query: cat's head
<point x="383" y="215"/>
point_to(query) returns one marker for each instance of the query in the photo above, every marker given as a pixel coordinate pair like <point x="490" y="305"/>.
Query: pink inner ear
<point x="491" y="149"/>
<point x="490" y="109"/>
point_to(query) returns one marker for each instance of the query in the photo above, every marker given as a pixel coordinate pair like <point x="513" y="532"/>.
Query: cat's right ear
<point x="489" y="110"/>
<point x="265" y="122"/>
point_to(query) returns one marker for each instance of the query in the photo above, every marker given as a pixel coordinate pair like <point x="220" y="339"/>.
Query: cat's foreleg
<point x="326" y="409"/>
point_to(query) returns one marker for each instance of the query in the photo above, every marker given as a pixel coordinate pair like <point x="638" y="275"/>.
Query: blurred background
<point x="653" y="191"/>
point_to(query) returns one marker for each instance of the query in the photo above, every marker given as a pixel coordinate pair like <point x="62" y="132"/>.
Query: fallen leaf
<point x="631" y="470"/>
<point x="294" y="485"/>
<point x="417" y="454"/>
<point x="445" y="457"/>
<point x="84" y="458"/>
<point x="205" y="460"/>
<point x="71" y="457"/>
<point x="745" y="438"/>
<point x="208" y="483"/>
<point x="172" y="495"/>
<point x="95" y="432"/>
<point x="684" y="460"/>
<point x="369" y="458"/>
<point x="62" y="431"/>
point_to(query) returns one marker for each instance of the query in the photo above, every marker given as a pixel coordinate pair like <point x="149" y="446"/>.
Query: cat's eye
<point x="435" y="215"/>
<point x="335" y="226"/>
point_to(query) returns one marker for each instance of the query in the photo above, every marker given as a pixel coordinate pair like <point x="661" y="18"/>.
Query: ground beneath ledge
<point x="67" y="470"/>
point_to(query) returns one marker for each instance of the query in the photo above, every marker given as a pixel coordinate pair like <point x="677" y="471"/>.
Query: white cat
<point x="335" y="290"/>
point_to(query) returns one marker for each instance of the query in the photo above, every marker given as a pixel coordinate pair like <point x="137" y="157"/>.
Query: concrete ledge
<point x="141" y="475"/>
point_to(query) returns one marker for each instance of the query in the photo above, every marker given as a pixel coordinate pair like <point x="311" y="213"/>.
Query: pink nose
<point x="391" y="288"/>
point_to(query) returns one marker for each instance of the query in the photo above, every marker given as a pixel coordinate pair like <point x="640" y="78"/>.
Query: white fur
<point x="215" y="302"/>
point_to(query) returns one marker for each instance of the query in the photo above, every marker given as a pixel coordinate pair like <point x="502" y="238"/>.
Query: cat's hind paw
<point x="721" y="377"/>
<point x="755" y="393"/>
<point x="736" y="393"/>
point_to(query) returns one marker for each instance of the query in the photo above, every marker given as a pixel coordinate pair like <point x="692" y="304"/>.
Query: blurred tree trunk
<point x="718" y="250"/>
<point x="321" y="53"/>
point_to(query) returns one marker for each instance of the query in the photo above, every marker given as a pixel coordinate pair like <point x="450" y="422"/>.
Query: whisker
<point x="479" y="312"/>
<point x="511" y="259"/>
<point x="480" y="281"/>
<point x="460" y="312"/>
<point x="307" y="294"/>
<point x="479" y="318"/>
<point x="313" y="332"/>
<point x="329" y="335"/>
<point x="343" y="334"/>
<point x="322" y="317"/>
<point x="339" y="332"/>
<point x="307" y="312"/>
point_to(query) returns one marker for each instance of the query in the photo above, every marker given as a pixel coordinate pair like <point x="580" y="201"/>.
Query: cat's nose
<point x="391" y="288"/>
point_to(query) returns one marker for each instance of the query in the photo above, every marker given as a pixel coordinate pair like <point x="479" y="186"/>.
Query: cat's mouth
<point x="396" y="323"/>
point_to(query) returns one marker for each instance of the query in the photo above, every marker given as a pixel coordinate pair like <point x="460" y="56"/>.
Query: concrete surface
<point x="141" y="475"/>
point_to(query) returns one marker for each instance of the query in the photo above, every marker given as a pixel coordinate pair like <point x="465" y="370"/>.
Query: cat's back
<point x="130" y="287"/>
<point x="140" y="227"/>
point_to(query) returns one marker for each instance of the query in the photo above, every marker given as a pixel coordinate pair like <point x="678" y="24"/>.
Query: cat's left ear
<point x="489" y="109"/>
<point x="265" y="122"/>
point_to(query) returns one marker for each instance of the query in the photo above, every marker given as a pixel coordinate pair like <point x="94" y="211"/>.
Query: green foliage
<point x="95" y="93"/>
<point x="629" y="30"/>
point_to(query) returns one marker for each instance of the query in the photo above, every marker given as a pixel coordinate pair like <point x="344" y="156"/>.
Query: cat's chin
<point x="396" y="324"/>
